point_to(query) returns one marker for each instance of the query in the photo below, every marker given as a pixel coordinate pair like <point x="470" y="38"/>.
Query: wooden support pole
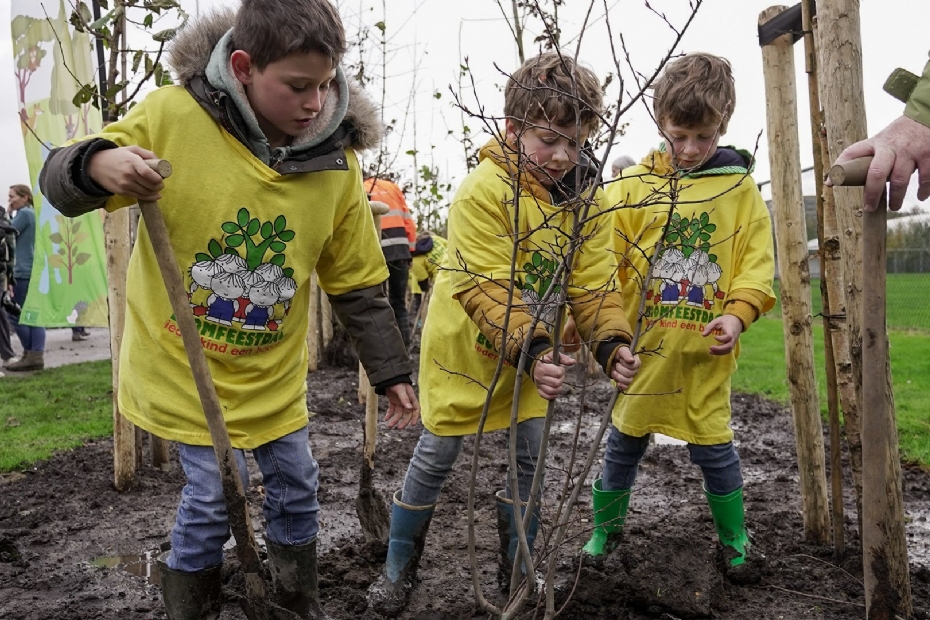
<point x="791" y="238"/>
<point x="816" y="120"/>
<point x="116" y="232"/>
<point x="833" y="276"/>
<point x="326" y="320"/>
<point x="884" y="546"/>
<point x="313" y="329"/>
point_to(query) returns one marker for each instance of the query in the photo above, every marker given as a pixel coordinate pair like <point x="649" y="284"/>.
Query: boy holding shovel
<point x="551" y="106"/>
<point x="266" y="189"/>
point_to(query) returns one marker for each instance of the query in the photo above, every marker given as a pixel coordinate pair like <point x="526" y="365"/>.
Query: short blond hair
<point x="551" y="87"/>
<point x="696" y="89"/>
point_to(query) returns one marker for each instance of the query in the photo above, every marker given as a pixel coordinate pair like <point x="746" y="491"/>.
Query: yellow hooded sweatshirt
<point x="462" y="338"/>
<point x="717" y="258"/>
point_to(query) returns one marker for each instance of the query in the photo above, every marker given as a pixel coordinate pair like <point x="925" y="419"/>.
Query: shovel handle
<point x="236" y="505"/>
<point x="852" y="173"/>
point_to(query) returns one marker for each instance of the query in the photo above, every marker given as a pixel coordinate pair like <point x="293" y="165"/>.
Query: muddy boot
<point x="730" y="521"/>
<point x="191" y="596"/>
<point x="388" y="595"/>
<point x="31" y="360"/>
<point x="294" y="573"/>
<point x="610" y="509"/>
<point x="507" y="530"/>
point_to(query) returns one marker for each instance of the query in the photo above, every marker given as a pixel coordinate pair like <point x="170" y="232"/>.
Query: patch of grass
<point x="761" y="371"/>
<point x="907" y="295"/>
<point x="57" y="409"/>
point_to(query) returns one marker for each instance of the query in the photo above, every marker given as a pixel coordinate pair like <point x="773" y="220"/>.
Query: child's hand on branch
<point x="123" y="171"/>
<point x="730" y="327"/>
<point x="625" y="367"/>
<point x="571" y="339"/>
<point x="403" y="407"/>
<point x="549" y="377"/>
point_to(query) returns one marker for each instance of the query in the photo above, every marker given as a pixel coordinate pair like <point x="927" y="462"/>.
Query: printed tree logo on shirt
<point x="242" y="233"/>
<point x="685" y="268"/>
<point x="691" y="234"/>
<point x="233" y="284"/>
<point x="539" y="275"/>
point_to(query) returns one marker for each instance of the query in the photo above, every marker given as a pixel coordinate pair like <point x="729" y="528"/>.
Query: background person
<point x="24" y="221"/>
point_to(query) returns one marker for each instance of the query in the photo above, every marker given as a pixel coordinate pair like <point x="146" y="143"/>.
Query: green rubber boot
<point x="610" y="509"/>
<point x="730" y="521"/>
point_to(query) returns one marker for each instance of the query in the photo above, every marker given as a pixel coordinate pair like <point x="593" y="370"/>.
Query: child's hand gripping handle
<point x="177" y="295"/>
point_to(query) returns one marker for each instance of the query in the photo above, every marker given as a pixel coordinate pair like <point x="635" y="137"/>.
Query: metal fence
<point x="908" y="260"/>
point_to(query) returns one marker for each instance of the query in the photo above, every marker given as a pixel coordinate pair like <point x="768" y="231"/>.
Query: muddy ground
<point x="72" y="548"/>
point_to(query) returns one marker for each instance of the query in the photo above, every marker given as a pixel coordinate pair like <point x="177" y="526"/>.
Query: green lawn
<point x="908" y="304"/>
<point x="762" y="363"/>
<point x="61" y="408"/>
<point x="53" y="410"/>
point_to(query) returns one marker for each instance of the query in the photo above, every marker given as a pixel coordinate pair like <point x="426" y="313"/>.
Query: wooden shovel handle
<point x="232" y="485"/>
<point x="852" y="173"/>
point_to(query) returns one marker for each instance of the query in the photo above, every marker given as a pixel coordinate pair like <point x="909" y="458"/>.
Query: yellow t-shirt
<point x="720" y="242"/>
<point x="456" y="360"/>
<point x="247" y="239"/>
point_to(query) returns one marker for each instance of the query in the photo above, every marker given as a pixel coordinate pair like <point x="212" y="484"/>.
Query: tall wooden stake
<point x="116" y="231"/>
<point x="313" y="331"/>
<point x="816" y="119"/>
<point x="884" y="547"/>
<point x="844" y="107"/>
<point x="791" y="237"/>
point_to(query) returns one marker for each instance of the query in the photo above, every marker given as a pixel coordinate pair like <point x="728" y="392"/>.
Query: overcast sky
<point x="428" y="40"/>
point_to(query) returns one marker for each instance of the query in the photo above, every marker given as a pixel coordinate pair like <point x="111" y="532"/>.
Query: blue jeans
<point x="32" y="338"/>
<point x="719" y="463"/>
<point x="434" y="457"/>
<point x="291" y="509"/>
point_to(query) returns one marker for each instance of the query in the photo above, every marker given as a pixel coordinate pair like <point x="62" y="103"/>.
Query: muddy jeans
<point x="434" y="457"/>
<point x="719" y="463"/>
<point x="291" y="509"/>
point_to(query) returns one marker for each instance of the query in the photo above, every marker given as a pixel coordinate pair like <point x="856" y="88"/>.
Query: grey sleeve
<point x="65" y="182"/>
<point x="369" y="322"/>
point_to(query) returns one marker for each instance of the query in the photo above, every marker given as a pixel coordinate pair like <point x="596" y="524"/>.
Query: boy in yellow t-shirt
<point x="712" y="277"/>
<point x="264" y="192"/>
<point x="541" y="156"/>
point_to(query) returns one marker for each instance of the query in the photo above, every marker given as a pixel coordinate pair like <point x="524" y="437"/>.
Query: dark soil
<point x="59" y="516"/>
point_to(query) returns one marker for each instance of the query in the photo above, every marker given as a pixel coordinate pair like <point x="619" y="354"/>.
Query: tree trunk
<point x="791" y="238"/>
<point x="887" y="587"/>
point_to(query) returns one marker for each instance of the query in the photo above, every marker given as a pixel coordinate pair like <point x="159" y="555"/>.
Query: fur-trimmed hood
<point x="189" y="57"/>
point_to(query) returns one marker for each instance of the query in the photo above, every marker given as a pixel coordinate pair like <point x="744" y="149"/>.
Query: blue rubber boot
<point x="507" y="530"/>
<point x="389" y="594"/>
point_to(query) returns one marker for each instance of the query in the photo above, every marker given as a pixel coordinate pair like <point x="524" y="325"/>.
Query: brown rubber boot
<point x="31" y="360"/>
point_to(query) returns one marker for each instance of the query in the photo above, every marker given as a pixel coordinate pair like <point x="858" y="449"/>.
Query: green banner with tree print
<point x="51" y="61"/>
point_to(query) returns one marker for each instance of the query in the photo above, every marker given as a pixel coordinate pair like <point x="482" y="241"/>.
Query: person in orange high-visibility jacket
<point x="398" y="240"/>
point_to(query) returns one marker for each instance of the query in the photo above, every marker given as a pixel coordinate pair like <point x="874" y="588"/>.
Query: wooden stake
<point x="313" y="329"/>
<point x="816" y="120"/>
<point x="116" y="231"/>
<point x="791" y="237"/>
<point x="884" y="546"/>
